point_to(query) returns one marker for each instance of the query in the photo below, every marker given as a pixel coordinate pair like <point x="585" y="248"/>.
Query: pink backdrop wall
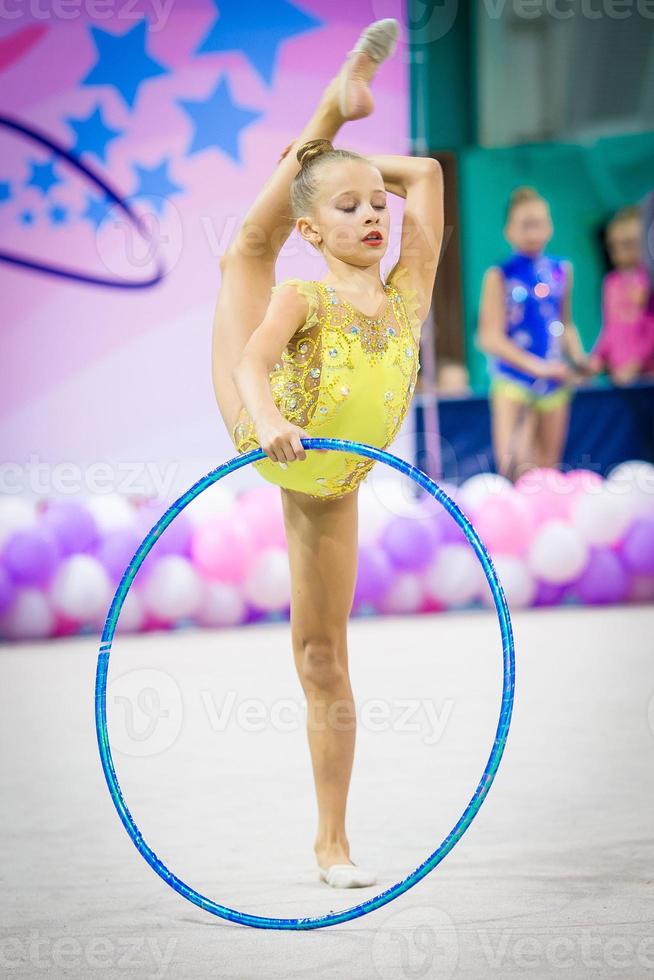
<point x="183" y="110"/>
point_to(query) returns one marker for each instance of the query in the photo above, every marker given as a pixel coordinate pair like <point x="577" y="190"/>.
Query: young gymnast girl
<point x="336" y="357"/>
<point x="526" y="328"/>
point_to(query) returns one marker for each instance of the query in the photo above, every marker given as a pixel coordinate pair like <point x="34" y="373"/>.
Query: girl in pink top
<point x="625" y="346"/>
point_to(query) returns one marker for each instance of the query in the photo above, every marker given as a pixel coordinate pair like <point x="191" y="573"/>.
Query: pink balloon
<point x="547" y="493"/>
<point x="261" y="510"/>
<point x="222" y="548"/>
<point x="504" y="523"/>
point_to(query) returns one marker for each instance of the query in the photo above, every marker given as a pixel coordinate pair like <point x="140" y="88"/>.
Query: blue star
<point x="43" y="176"/>
<point x="58" y="214"/>
<point x="257" y="29"/>
<point x="96" y="209"/>
<point x="5" y="190"/>
<point x="92" y="134"/>
<point x="155" y="184"/>
<point x="26" y="218"/>
<point x="123" y="62"/>
<point x="218" y="121"/>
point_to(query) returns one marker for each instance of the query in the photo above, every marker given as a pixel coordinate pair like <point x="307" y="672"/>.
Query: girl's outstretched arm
<point x="420" y="181"/>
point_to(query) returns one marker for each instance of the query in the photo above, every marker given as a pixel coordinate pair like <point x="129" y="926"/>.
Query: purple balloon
<point x="374" y="574"/>
<point x="176" y="539"/>
<point x="117" y="549"/>
<point x="72" y="526"/>
<point x="7" y="590"/>
<point x="548" y="594"/>
<point x="638" y="546"/>
<point x="410" y="542"/>
<point x="604" y="578"/>
<point x="31" y="556"/>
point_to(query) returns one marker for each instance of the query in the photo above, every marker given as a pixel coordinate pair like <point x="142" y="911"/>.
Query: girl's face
<point x="351" y="207"/>
<point x="529" y="227"/>
<point x="624" y="243"/>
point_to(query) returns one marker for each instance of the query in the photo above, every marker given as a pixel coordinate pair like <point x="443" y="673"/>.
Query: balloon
<point x="455" y="576"/>
<point x="374" y="574"/>
<point x="410" y="543"/>
<point x="641" y="589"/>
<point x="404" y="595"/>
<point x="72" y="526"/>
<point x="16" y="514"/>
<point x="80" y="589"/>
<point x="173" y="590"/>
<point x="31" y="556"/>
<point x="504" y="523"/>
<point x="110" y="511"/>
<point x="600" y="518"/>
<point x="7" y="590"/>
<point x="262" y="512"/>
<point x="30" y="616"/>
<point x="268" y="582"/>
<point x="517" y="583"/>
<point x="132" y="614"/>
<point x="558" y="554"/>
<point x="603" y="580"/>
<point x="547" y="493"/>
<point x="175" y="539"/>
<point x="638" y="546"/>
<point x="223" y="549"/>
<point x="477" y="488"/>
<point x="373" y="516"/>
<point x="216" y="499"/>
<point x="116" y="550"/>
<point x="548" y="594"/>
<point x="634" y="482"/>
<point x="221" y="605"/>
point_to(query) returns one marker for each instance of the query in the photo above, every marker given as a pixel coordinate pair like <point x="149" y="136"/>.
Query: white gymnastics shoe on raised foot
<point x="378" y="42"/>
<point x="347" y="876"/>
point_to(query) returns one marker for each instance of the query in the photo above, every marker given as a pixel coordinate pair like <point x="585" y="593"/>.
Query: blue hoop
<point x="265" y="922"/>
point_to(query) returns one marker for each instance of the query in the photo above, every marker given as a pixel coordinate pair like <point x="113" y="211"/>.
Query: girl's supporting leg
<point x="248" y="266"/>
<point x="551" y="433"/>
<point x="322" y="538"/>
<point x="513" y="425"/>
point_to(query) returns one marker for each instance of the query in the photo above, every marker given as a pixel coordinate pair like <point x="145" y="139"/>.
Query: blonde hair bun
<point x="312" y="150"/>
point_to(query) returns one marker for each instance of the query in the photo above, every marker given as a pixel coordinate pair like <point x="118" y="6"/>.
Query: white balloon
<point x="172" y="589"/>
<point x="602" y="517"/>
<point x="373" y="516"/>
<point x="633" y="482"/>
<point x="268" y="584"/>
<point x="477" y="488"/>
<point x="16" y="514"/>
<point x="132" y="614"/>
<point x="222" y="605"/>
<point x="30" y="616"/>
<point x="216" y="499"/>
<point x="558" y="553"/>
<point x="404" y="594"/>
<point x="81" y="588"/>
<point x="455" y="576"/>
<point x="516" y="580"/>
<point x="111" y="511"/>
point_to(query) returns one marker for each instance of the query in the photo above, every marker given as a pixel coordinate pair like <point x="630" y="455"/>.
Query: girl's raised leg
<point x="248" y="266"/>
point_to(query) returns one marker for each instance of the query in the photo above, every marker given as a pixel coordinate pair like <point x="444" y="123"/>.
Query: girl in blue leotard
<point x="526" y="329"/>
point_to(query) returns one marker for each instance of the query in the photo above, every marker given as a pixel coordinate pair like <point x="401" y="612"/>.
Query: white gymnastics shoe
<point x="347" y="876"/>
<point x="378" y="41"/>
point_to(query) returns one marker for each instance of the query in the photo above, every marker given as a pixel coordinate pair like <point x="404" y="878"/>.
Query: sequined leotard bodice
<point x="342" y="375"/>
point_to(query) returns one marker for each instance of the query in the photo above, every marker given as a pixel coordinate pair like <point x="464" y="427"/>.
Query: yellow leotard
<point x="342" y="375"/>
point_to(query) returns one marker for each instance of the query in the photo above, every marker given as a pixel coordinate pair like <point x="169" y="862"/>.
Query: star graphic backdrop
<point x="183" y="110"/>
